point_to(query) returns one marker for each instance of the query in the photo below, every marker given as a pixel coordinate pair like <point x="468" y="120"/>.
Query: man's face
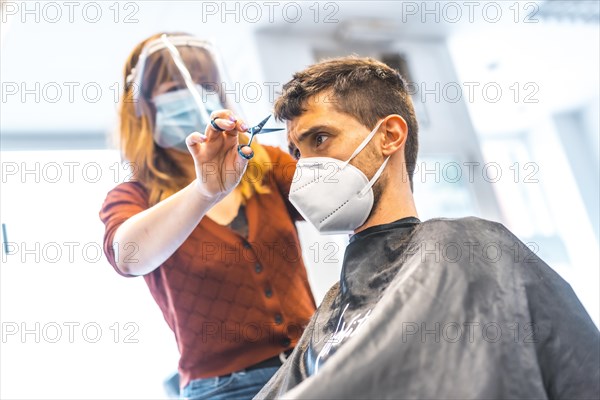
<point x="322" y="131"/>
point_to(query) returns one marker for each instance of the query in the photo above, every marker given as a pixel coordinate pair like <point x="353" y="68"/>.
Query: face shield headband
<point x="171" y="45"/>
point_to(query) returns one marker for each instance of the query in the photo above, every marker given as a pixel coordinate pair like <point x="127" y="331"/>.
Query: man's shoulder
<point x="467" y="230"/>
<point x="469" y="222"/>
<point x="473" y="247"/>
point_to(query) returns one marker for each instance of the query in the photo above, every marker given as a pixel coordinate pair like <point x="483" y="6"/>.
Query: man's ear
<point x="395" y="133"/>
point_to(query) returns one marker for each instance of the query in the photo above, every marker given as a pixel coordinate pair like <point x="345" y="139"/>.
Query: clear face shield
<point x="177" y="83"/>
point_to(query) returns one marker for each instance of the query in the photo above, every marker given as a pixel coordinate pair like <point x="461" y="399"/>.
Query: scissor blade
<point x="262" y="123"/>
<point x="268" y="130"/>
<point x="256" y="129"/>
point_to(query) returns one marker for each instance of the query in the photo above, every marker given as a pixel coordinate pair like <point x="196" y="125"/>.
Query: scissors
<point x="255" y="130"/>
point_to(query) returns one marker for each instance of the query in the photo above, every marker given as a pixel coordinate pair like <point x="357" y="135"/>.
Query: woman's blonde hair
<point x="151" y="164"/>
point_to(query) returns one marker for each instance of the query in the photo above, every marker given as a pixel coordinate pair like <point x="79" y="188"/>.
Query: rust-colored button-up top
<point x="231" y="302"/>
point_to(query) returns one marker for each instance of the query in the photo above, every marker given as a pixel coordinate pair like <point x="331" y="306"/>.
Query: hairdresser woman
<point x="212" y="233"/>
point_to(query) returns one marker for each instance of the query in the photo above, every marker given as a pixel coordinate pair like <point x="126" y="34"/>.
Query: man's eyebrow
<point x="312" y="130"/>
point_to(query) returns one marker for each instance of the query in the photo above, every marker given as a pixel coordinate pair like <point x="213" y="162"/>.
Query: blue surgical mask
<point x="177" y="116"/>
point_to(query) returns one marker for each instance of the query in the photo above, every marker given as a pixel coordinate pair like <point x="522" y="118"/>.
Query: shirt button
<point x="268" y="293"/>
<point x="278" y="319"/>
<point x="258" y="268"/>
<point x="286" y="342"/>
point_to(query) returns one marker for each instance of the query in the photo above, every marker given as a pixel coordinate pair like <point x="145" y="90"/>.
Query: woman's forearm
<point x="154" y="234"/>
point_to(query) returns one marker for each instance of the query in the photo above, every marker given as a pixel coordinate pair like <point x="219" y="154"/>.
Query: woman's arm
<point x="158" y="231"/>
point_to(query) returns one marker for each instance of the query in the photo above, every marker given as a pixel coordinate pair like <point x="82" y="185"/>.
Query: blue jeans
<point x="238" y="385"/>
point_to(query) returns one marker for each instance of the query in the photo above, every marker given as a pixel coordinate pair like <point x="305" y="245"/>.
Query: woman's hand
<point x="219" y="167"/>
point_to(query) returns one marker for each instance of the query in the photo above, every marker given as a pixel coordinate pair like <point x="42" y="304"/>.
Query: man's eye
<point x="319" y="139"/>
<point x="294" y="152"/>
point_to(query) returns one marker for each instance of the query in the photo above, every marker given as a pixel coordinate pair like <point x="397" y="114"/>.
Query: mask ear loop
<point x="363" y="144"/>
<point x="374" y="179"/>
<point x="189" y="82"/>
<point x="359" y="149"/>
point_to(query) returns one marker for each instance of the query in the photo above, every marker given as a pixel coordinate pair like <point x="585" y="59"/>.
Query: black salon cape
<point x="459" y="309"/>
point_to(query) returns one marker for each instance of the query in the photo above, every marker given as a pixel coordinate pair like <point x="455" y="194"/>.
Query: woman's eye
<point x="296" y="154"/>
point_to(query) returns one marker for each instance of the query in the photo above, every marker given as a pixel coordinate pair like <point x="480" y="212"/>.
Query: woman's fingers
<point x="223" y="114"/>
<point x="247" y="151"/>
<point x="225" y="120"/>
<point x="225" y="125"/>
<point x="241" y="163"/>
<point x="194" y="139"/>
<point x="241" y="125"/>
<point x="217" y="150"/>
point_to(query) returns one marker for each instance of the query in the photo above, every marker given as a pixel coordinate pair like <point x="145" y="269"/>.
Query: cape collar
<point x="372" y="258"/>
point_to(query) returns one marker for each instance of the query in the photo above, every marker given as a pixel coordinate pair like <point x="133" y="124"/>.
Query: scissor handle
<point x="255" y="130"/>
<point x="241" y="153"/>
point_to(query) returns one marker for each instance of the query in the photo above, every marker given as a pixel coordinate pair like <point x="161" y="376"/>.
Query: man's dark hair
<point x="364" y="88"/>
